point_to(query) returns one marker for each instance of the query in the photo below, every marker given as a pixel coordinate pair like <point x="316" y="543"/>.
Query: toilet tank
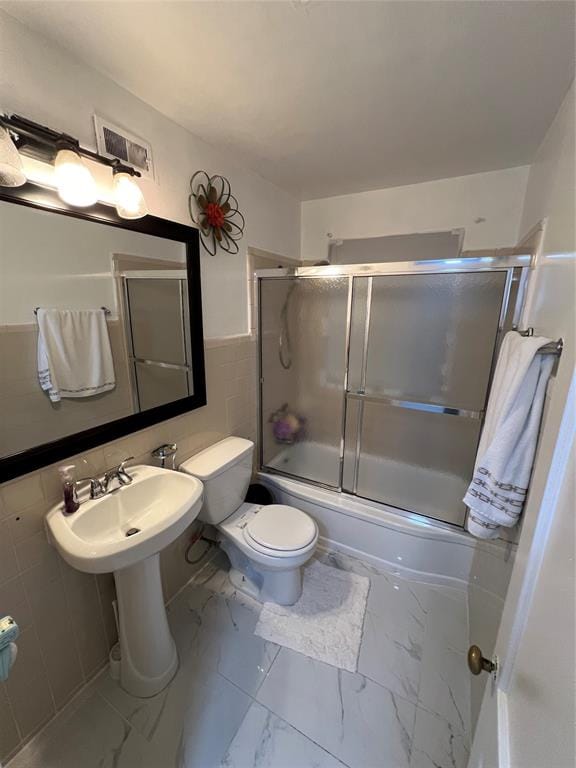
<point x="225" y="470"/>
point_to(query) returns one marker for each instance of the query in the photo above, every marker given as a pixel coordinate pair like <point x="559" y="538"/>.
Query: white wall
<point x="541" y="698"/>
<point x="44" y="83"/>
<point x="432" y="206"/>
<point x="539" y="680"/>
<point x="62" y="262"/>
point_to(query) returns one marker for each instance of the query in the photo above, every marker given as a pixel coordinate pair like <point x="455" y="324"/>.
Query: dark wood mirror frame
<point x="35" y="196"/>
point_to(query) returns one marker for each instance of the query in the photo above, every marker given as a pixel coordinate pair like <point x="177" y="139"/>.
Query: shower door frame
<point x="516" y="263"/>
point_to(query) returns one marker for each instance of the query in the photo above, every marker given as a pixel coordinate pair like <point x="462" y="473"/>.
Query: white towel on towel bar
<point x="74" y="354"/>
<point x="497" y="493"/>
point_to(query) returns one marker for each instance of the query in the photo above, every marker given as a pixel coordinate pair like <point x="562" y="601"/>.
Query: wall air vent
<point x="113" y="141"/>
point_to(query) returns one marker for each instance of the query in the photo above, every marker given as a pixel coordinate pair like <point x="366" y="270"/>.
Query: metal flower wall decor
<point x="214" y="210"/>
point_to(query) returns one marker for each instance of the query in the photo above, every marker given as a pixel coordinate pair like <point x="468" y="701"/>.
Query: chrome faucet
<point x="120" y="473"/>
<point x="99" y="486"/>
<point x="165" y="453"/>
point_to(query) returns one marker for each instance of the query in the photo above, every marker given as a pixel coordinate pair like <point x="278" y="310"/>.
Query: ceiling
<point x="327" y="98"/>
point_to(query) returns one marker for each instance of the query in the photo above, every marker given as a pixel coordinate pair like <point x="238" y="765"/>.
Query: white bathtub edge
<point x="392" y="541"/>
<point x="366" y="510"/>
<point x="328" y="545"/>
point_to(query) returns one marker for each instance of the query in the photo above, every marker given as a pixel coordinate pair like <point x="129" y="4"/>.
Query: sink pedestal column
<point x="149" y="655"/>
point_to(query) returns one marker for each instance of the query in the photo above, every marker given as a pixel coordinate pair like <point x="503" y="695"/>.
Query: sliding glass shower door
<point x="303" y="366"/>
<point x="376" y="384"/>
<point x="424" y="345"/>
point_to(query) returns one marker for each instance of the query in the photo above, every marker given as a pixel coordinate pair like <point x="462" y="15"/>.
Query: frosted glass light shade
<point x="75" y="183"/>
<point x="130" y="202"/>
<point x="11" y="170"/>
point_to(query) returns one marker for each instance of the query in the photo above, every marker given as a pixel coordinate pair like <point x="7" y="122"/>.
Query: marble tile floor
<point x="241" y="702"/>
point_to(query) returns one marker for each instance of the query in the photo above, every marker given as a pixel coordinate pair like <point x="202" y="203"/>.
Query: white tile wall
<point x="28" y="419"/>
<point x="66" y="617"/>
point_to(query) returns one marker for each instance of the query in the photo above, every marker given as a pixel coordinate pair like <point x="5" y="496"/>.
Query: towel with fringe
<point x="499" y="486"/>
<point x="74" y="353"/>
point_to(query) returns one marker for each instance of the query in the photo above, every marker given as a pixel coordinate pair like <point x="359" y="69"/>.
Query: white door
<point x="527" y="714"/>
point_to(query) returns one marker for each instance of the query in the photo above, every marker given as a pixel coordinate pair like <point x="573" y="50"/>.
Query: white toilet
<point x="267" y="545"/>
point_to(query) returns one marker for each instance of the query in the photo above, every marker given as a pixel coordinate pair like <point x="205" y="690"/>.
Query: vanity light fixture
<point x="11" y="170"/>
<point x="75" y="183"/>
<point x="72" y="177"/>
<point x="130" y="202"/>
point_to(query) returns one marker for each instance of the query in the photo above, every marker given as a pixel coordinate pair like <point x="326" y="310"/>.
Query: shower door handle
<point x="413" y="405"/>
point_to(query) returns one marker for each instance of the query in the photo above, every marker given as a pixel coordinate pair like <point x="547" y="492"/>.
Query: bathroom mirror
<point x="100" y="326"/>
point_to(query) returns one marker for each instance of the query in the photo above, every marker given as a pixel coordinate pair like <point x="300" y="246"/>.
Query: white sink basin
<point x="124" y="532"/>
<point x="160" y="503"/>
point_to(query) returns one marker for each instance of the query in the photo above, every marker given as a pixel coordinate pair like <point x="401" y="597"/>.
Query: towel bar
<point x="553" y="348"/>
<point x="106" y="310"/>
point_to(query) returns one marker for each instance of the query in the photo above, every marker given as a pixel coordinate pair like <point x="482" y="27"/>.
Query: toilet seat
<point x="280" y="530"/>
<point x="235" y="528"/>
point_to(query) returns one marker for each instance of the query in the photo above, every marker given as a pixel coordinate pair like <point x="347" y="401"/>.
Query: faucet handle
<point x="96" y="488"/>
<point x="123" y="476"/>
<point x="164" y="452"/>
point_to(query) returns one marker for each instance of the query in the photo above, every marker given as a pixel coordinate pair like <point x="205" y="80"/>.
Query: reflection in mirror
<point x="91" y="366"/>
<point x="155" y="307"/>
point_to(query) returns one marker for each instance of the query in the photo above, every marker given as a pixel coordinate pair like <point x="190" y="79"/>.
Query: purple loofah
<point x="287" y="427"/>
<point x="282" y="430"/>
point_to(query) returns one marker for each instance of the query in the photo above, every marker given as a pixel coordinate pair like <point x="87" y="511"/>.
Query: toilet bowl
<point x="267" y="545"/>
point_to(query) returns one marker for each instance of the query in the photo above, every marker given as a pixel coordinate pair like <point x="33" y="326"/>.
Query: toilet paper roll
<point x="7" y="658"/>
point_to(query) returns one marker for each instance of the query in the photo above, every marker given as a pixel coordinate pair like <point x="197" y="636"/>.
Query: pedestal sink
<point x="124" y="532"/>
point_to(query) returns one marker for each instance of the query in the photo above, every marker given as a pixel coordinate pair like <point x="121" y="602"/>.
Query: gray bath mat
<point x="326" y="623"/>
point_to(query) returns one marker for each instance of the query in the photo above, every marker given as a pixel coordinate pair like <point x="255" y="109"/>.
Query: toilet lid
<point x="280" y="527"/>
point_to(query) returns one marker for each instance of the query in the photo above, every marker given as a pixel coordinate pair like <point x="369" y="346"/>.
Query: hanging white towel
<point x="497" y="493"/>
<point x="74" y="354"/>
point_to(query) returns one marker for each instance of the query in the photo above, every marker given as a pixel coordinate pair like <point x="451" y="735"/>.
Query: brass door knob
<point x="477" y="663"/>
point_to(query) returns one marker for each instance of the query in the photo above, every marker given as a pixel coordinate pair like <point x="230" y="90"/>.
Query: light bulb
<point x="130" y="202"/>
<point x="76" y="185"/>
<point x="11" y="171"/>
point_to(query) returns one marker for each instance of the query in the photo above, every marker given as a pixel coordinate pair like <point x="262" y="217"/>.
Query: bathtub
<point x="406" y="544"/>
<point x="431" y="491"/>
